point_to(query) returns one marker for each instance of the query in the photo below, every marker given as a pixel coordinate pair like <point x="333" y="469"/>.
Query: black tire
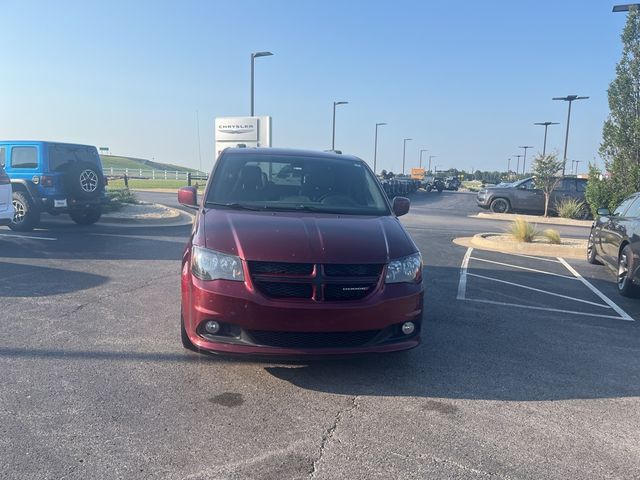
<point x="500" y="205"/>
<point x="429" y="188"/>
<point x="84" y="180"/>
<point x="26" y="215"/>
<point x="440" y="189"/>
<point x="186" y="342"/>
<point x="592" y="257"/>
<point x="626" y="264"/>
<point x="86" y="216"/>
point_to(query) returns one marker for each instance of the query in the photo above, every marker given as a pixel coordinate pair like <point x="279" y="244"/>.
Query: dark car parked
<point x="321" y="266"/>
<point x="615" y="240"/>
<point x="524" y="196"/>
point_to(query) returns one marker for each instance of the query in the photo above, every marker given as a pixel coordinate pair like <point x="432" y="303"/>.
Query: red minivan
<point x="298" y="253"/>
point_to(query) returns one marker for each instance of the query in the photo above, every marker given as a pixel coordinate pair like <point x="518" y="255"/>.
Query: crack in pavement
<point x="453" y="463"/>
<point x="328" y="434"/>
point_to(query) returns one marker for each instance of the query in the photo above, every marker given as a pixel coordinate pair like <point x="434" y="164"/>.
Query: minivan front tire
<point x="26" y="215"/>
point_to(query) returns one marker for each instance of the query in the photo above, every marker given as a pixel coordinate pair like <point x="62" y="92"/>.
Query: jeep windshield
<point x="60" y="156"/>
<point x="295" y="183"/>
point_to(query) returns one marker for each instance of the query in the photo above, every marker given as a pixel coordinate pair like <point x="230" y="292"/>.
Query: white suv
<point x="6" y="205"/>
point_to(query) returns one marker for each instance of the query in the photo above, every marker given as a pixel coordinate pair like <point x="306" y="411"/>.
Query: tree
<point x="545" y="172"/>
<point x="620" y="145"/>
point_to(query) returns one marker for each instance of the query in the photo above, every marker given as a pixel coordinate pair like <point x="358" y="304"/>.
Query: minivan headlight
<point x="211" y="265"/>
<point x="405" y="269"/>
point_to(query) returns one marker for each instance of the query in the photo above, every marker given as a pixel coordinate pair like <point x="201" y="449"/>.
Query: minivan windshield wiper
<point x="233" y="205"/>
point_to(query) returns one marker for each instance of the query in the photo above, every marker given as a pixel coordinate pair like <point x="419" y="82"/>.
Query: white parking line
<point x="538" y="290"/>
<point x="524" y="268"/>
<point x="529" y="256"/>
<point x="462" y="286"/>
<point x="619" y="311"/>
<point x="27" y="236"/>
<point x="545" y="309"/>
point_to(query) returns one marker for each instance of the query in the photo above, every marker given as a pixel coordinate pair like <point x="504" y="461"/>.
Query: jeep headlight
<point x="211" y="265"/>
<point x="406" y="269"/>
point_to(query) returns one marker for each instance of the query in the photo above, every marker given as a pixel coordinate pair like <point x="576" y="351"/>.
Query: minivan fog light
<point x="213" y="327"/>
<point x="408" y="328"/>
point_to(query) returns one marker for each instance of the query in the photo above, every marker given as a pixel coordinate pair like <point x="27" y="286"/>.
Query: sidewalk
<point x="533" y="219"/>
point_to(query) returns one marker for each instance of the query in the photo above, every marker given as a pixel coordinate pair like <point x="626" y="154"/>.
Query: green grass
<point x="151" y="184"/>
<point x="114" y="161"/>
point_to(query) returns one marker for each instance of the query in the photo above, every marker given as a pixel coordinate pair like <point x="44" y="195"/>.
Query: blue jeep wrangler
<point x="54" y="178"/>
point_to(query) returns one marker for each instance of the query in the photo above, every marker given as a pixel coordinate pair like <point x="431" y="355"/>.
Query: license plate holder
<point x="60" y="203"/>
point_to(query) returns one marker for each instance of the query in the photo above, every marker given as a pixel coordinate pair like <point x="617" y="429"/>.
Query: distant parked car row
<point x="524" y="196"/>
<point x="400" y="186"/>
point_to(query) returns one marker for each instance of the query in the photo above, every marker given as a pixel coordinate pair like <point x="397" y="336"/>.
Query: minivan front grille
<point x="318" y="282"/>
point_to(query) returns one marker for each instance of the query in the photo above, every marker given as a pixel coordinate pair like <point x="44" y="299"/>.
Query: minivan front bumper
<point x="256" y="325"/>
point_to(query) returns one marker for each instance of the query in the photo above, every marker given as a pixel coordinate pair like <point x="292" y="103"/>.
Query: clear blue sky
<point x="464" y="79"/>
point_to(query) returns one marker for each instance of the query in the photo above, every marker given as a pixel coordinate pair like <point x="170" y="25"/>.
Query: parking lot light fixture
<point x="253" y="58"/>
<point x="333" y="136"/>
<point x="421" y="152"/>
<point x="430" y="157"/>
<point x="546" y="125"/>
<point x="524" y="161"/>
<point x="626" y="8"/>
<point x="375" y="146"/>
<point x="570" y="99"/>
<point x="518" y="164"/>
<point x="404" y="151"/>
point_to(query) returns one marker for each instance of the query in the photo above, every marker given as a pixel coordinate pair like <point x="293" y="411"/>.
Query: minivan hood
<point x="303" y="238"/>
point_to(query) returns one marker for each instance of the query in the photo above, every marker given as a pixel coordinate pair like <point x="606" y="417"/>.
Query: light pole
<point x="375" y="145"/>
<point x="404" y="151"/>
<point x="524" y="162"/>
<point x="253" y="58"/>
<point x="509" y="168"/>
<point x="333" y="137"/>
<point x="546" y="125"/>
<point x="577" y="162"/>
<point x="421" y="152"/>
<point x="625" y="8"/>
<point x="518" y="164"/>
<point x="430" y="157"/>
<point x="570" y="99"/>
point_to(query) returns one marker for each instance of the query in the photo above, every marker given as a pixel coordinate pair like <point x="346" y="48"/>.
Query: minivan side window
<point x="3" y="156"/>
<point x="24" y="157"/>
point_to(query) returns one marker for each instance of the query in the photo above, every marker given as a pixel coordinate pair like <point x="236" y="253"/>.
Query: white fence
<point x="151" y="174"/>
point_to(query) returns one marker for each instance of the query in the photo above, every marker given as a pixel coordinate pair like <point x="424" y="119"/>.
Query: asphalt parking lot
<point x="529" y="368"/>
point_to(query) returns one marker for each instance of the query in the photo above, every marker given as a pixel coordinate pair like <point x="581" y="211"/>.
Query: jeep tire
<point x="26" y="215"/>
<point x="86" y="216"/>
<point x="84" y="180"/>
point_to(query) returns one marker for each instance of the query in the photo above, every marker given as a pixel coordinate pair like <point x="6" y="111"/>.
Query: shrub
<point x="571" y="208"/>
<point x="523" y="231"/>
<point x="553" y="236"/>
<point x="118" y="197"/>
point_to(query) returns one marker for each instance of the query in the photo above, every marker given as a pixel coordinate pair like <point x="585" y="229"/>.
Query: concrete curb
<point x="177" y="218"/>
<point x="533" y="219"/>
<point x="483" y="241"/>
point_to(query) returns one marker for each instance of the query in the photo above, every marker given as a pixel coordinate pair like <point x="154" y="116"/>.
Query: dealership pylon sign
<point x="242" y="132"/>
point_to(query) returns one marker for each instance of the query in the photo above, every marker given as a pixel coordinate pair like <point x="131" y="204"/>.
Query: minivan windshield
<point x="290" y="183"/>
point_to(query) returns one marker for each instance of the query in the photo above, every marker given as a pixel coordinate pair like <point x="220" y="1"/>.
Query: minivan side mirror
<point x="188" y="196"/>
<point x="604" y="212"/>
<point x="401" y="206"/>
